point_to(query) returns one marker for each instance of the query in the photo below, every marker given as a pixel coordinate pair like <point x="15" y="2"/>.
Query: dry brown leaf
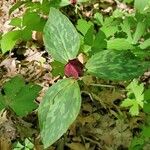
<point x="84" y="120"/>
<point x="10" y="65"/>
<point x="76" y="146"/>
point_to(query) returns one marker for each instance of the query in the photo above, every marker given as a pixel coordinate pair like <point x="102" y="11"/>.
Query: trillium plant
<point x="62" y="101"/>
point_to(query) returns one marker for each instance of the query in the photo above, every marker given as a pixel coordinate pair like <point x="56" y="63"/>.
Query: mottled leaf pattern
<point x="60" y="37"/>
<point x="112" y="65"/>
<point x="58" y="109"/>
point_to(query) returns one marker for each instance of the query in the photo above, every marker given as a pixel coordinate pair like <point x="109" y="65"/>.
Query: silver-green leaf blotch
<point x="114" y="65"/>
<point x="60" y="37"/>
<point x="58" y="109"/>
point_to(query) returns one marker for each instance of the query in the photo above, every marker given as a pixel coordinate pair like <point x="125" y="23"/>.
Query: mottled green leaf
<point x="60" y="37"/>
<point x="58" y="109"/>
<point x="112" y="65"/>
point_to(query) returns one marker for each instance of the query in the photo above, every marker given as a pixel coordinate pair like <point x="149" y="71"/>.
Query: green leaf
<point x="17" y="82"/>
<point x="28" y="144"/>
<point x="58" y="109"/>
<point x="110" y="27"/>
<point x="2" y="104"/>
<point x="110" y="30"/>
<point x="119" y="44"/>
<point x="9" y="40"/>
<point x="140" y="29"/>
<point x="24" y="101"/>
<point x="143" y="6"/>
<point x="138" y="91"/>
<point x="19" y="96"/>
<point x="146" y="132"/>
<point x="89" y="36"/>
<point x="60" y="37"/>
<point x="99" y="42"/>
<point x="33" y="21"/>
<point x="83" y="26"/>
<point x="128" y="1"/>
<point x="146" y="108"/>
<point x="17" y="22"/>
<point x="127" y="102"/>
<point x="26" y="34"/>
<point x="147" y="95"/>
<point x="145" y="44"/>
<point x="135" y="97"/>
<point x="126" y="27"/>
<point x="99" y="18"/>
<point x="57" y="68"/>
<point x="112" y="65"/>
<point x="137" y="144"/>
<point x="134" y="110"/>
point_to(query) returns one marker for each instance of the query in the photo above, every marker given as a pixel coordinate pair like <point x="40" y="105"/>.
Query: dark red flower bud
<point x="74" y="68"/>
<point x="73" y="2"/>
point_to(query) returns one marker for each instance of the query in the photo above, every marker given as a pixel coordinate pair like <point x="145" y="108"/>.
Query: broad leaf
<point x="17" y="22"/>
<point x="119" y="44"/>
<point x="99" y="42"/>
<point x="9" y="40"/>
<point x="60" y="37"/>
<point x="57" y="68"/>
<point x="83" y="26"/>
<point x="89" y="36"/>
<point x="112" y="65"/>
<point x="58" y="109"/>
<point x="19" y="96"/>
<point x="142" y="6"/>
<point x="32" y="21"/>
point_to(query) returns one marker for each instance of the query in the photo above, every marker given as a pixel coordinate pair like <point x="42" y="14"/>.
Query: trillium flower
<point x="74" y="68"/>
<point x="73" y="2"/>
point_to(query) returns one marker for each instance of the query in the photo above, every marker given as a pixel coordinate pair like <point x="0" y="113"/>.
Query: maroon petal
<point x="73" y="2"/>
<point x="74" y="68"/>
